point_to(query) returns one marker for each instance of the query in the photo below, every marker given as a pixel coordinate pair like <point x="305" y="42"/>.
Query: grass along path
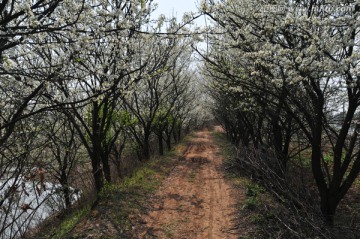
<point x="120" y="204"/>
<point x="185" y="194"/>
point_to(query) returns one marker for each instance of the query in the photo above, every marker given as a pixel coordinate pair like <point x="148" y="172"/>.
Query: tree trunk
<point x="118" y="167"/>
<point x="146" y="146"/>
<point x="258" y="136"/>
<point x="168" y="138"/>
<point x="117" y="152"/>
<point x="336" y="191"/>
<point x="277" y="139"/>
<point x="96" y="149"/>
<point x="106" y="167"/>
<point x="328" y="207"/>
<point x="179" y="133"/>
<point x="115" y="157"/>
<point x="97" y="172"/>
<point x="161" y="145"/>
<point x="174" y="136"/>
<point x="327" y="201"/>
<point x="146" y="151"/>
<point x="168" y="142"/>
<point x="65" y="189"/>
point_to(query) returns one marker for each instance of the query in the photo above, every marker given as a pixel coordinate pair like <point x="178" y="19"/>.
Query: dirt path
<point x="195" y="201"/>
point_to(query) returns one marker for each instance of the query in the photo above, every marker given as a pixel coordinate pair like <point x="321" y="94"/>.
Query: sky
<point x="175" y="7"/>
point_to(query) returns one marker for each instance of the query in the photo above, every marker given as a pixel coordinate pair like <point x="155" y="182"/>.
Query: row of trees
<point x="285" y="75"/>
<point x="78" y="81"/>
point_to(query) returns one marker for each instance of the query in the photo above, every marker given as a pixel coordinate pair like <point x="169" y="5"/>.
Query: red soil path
<point x="195" y="201"/>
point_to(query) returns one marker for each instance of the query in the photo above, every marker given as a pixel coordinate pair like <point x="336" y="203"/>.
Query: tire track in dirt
<point x="195" y="201"/>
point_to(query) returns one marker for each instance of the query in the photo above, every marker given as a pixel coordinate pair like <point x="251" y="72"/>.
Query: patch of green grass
<point x="328" y="157"/>
<point x="228" y="150"/>
<point x="304" y="160"/>
<point x="122" y="203"/>
<point x="305" y="157"/>
<point x="239" y="181"/>
<point x="252" y="191"/>
<point x="357" y="183"/>
<point x="68" y="224"/>
<point x="119" y="201"/>
<point x="143" y="178"/>
<point x="251" y="203"/>
<point x="256" y="218"/>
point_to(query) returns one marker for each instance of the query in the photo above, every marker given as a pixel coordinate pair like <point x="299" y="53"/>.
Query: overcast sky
<point x="175" y="7"/>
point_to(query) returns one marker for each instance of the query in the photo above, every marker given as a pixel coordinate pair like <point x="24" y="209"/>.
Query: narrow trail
<point x="195" y="201"/>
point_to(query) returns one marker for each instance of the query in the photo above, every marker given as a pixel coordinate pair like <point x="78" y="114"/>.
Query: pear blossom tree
<point x="24" y="27"/>
<point x="23" y="24"/>
<point x="175" y="100"/>
<point x="298" y="62"/>
<point x="15" y="163"/>
<point x="29" y="193"/>
<point x="75" y="77"/>
<point x="153" y="98"/>
<point x="61" y="151"/>
<point x="181" y="110"/>
<point x="102" y="67"/>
